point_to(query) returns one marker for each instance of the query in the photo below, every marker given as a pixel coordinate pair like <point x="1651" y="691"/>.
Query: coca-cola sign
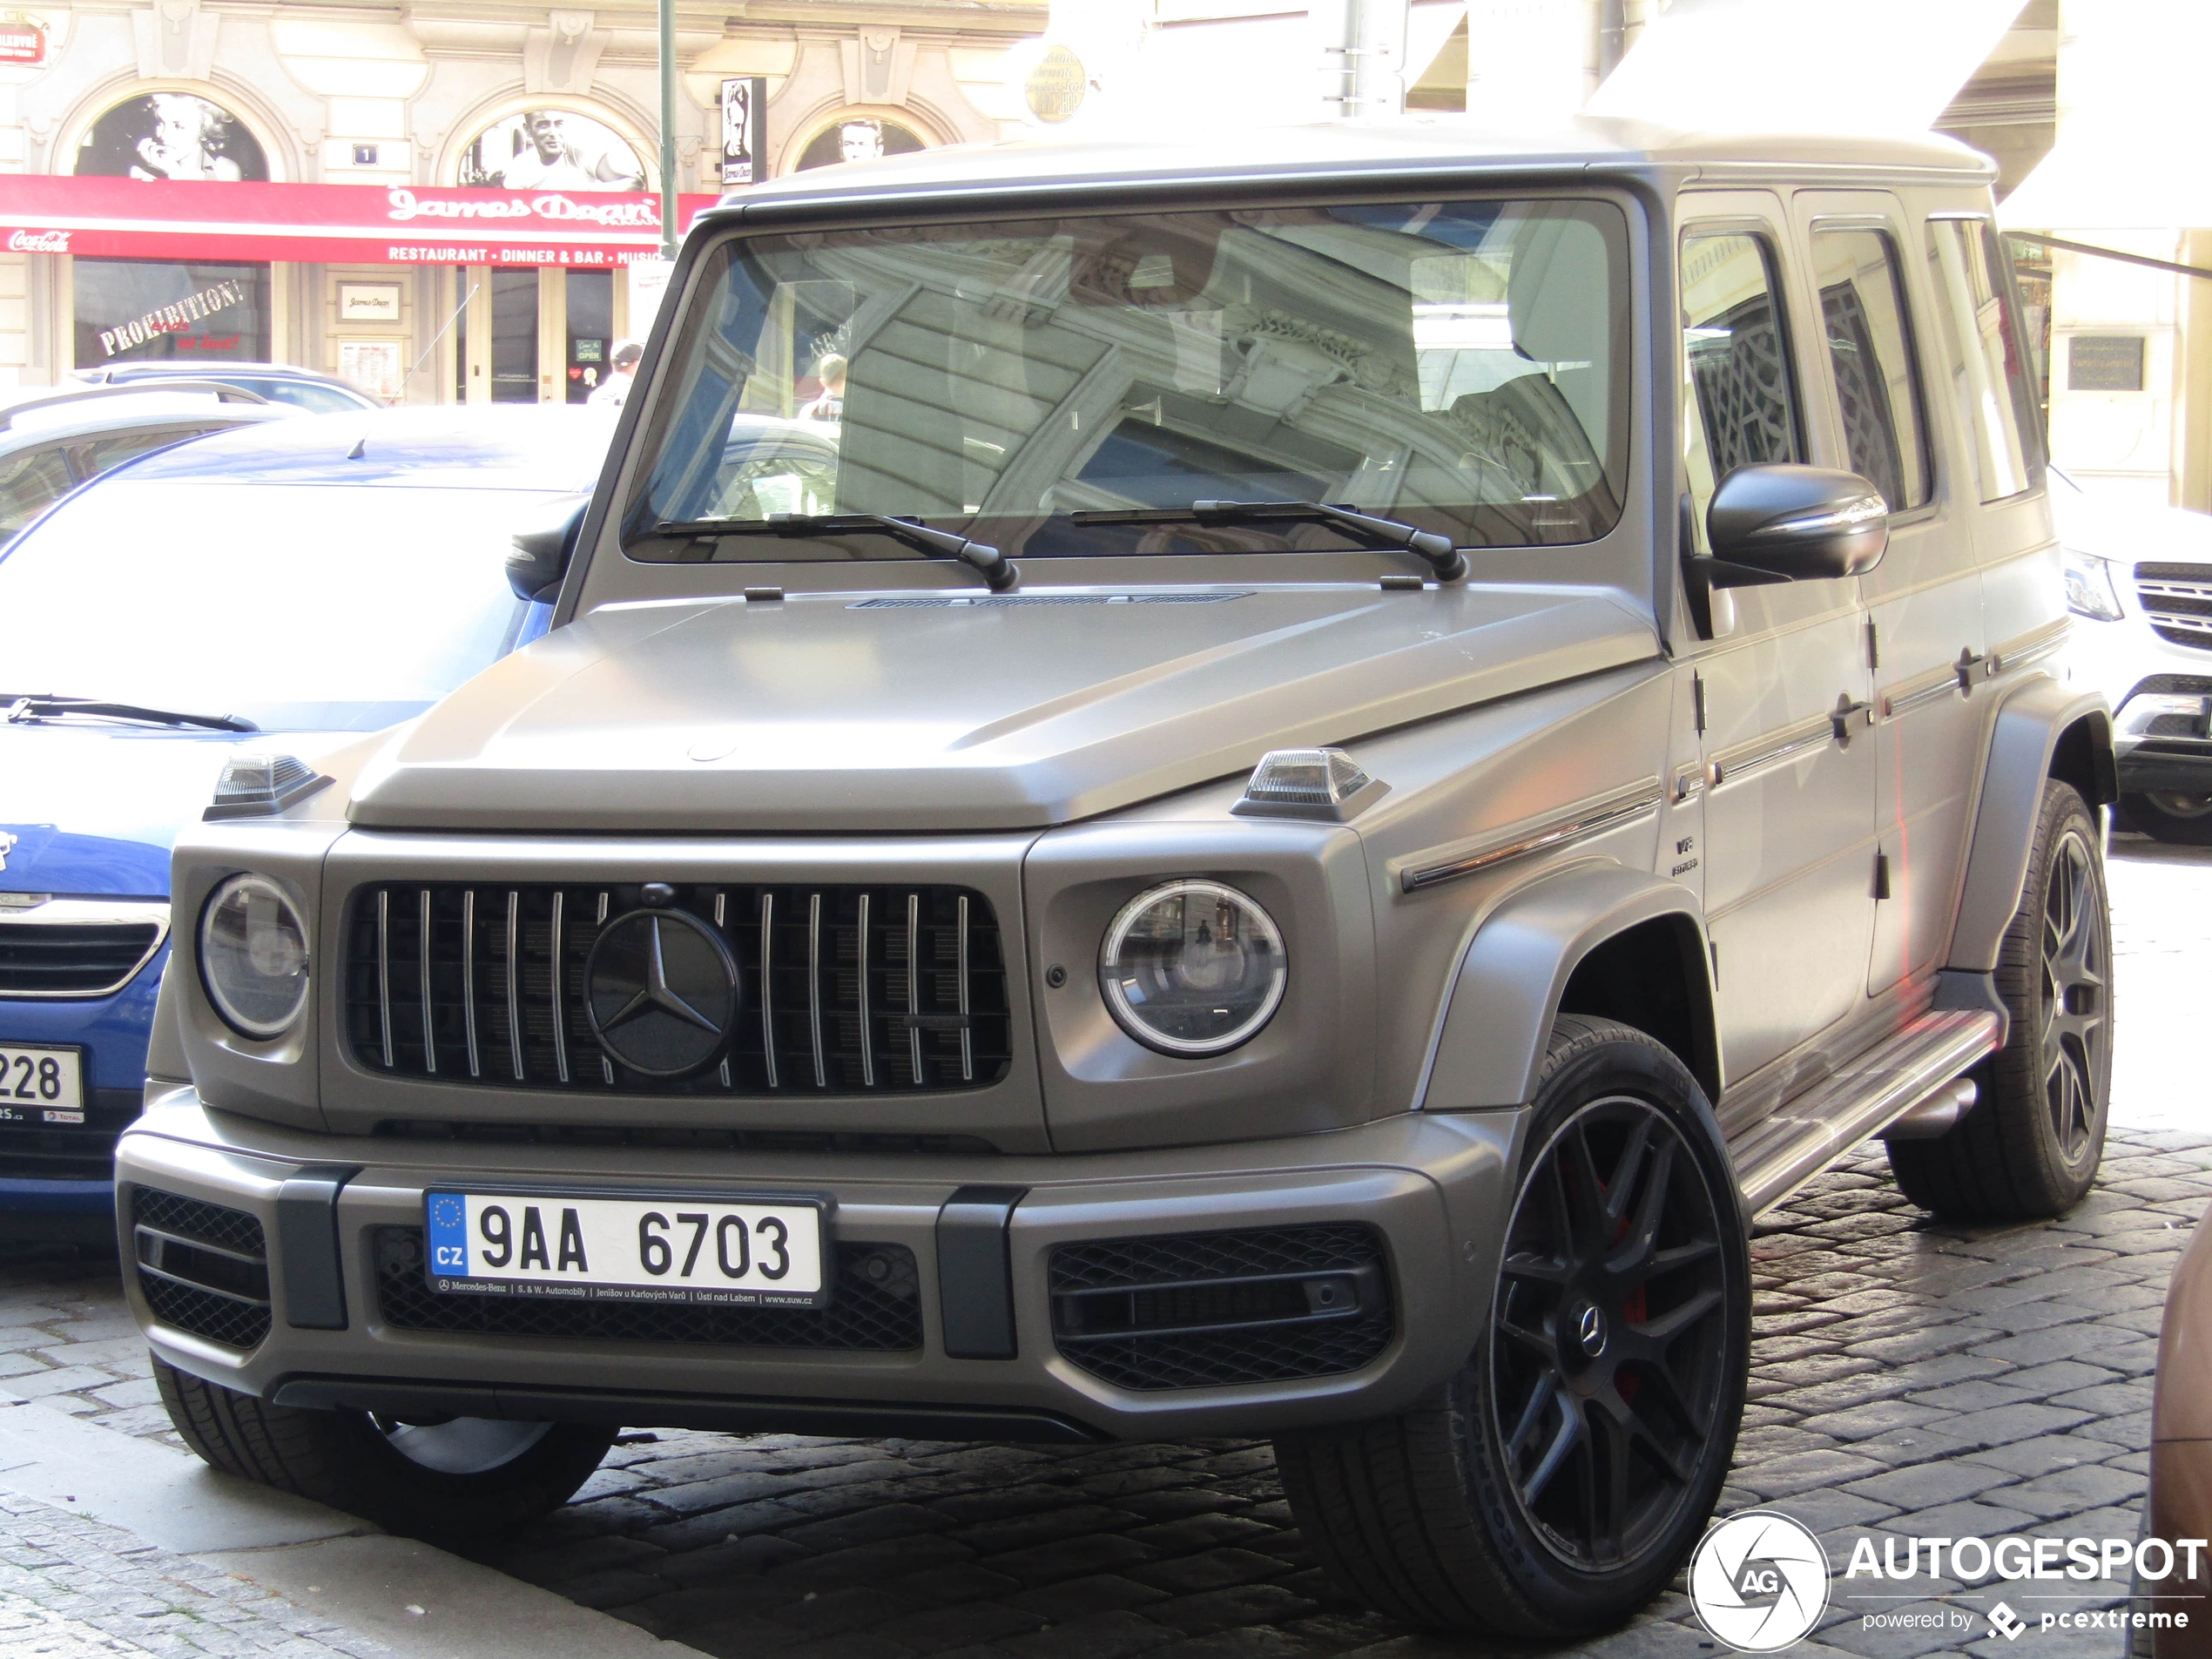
<point x="38" y="241"/>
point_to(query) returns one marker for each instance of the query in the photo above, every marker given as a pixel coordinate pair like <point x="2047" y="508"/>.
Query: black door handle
<point x="1847" y="709"/>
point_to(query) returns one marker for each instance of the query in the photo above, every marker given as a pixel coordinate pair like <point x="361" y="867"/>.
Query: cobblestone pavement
<point x="1910" y="1377"/>
<point x="71" y="1588"/>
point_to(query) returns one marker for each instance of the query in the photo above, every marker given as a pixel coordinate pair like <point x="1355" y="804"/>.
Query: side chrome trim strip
<point x="1606" y="813"/>
<point x="1771" y="749"/>
<point x="2031" y="647"/>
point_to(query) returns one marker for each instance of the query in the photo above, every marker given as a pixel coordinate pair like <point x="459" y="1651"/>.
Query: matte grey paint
<point x="1508" y="987"/>
<point x="1435" y="1185"/>
<point x="966" y="751"/>
<point x="696" y="718"/>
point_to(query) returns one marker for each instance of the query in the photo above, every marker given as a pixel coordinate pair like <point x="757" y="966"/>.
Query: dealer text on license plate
<point x="742" y="1254"/>
<point x="40" y="1085"/>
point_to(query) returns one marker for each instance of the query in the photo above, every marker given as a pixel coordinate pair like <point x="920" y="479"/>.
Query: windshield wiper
<point x="24" y="705"/>
<point x="1383" y="534"/>
<point x="996" y="568"/>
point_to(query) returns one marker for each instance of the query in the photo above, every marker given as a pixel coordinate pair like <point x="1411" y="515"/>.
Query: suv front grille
<point x="875" y="1307"/>
<point x="1211" y="1310"/>
<point x="78" y="947"/>
<point x="202" y="1267"/>
<point x="2177" y="601"/>
<point x="845" y="989"/>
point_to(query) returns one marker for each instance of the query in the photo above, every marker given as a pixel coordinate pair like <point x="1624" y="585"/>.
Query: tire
<point x="2031" y="1145"/>
<point x="1476" y="1512"/>
<point x="462" y="1479"/>
<point x="2181" y="820"/>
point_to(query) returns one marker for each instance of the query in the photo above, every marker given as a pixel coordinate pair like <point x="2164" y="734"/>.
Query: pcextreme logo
<point x="1759" y="1582"/>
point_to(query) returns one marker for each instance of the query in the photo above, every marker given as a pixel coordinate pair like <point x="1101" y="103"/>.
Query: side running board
<point x="1776" y="1156"/>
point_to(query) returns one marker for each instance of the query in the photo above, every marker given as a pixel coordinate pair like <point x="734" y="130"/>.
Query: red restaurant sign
<point x="361" y="224"/>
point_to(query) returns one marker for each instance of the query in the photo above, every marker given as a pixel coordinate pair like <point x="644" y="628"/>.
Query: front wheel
<point x="1563" y="1476"/>
<point x="2183" y="820"/>
<point x="452" y="1480"/>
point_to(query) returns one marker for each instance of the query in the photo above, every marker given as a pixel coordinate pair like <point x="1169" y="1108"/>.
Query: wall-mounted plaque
<point x="368" y="302"/>
<point x="2104" y="363"/>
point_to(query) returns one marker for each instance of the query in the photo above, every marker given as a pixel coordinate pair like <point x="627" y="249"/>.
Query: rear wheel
<point x="455" y="1478"/>
<point x="2031" y="1143"/>
<point x="2163" y="815"/>
<point x="1555" y="1484"/>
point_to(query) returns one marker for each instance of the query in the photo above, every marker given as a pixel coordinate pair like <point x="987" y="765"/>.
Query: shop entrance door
<point x="541" y="335"/>
<point x="514" y="336"/>
<point x="590" y="330"/>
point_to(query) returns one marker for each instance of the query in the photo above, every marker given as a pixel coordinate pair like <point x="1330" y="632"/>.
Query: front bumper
<point x="1433" y="1187"/>
<point x="53" y="1172"/>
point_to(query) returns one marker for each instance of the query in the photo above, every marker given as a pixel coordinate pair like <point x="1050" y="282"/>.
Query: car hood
<point x="835" y="713"/>
<point x="95" y="809"/>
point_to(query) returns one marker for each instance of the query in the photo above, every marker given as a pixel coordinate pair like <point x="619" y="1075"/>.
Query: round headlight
<point x="1192" y="968"/>
<point x="253" y="955"/>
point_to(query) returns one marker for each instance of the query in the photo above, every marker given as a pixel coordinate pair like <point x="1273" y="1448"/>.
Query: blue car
<point x="318" y="578"/>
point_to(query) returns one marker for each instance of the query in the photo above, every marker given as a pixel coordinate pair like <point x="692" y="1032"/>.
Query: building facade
<point x="443" y="200"/>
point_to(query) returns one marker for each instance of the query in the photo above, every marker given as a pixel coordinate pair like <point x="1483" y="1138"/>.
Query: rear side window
<point x="1878" y="382"/>
<point x="1983" y="356"/>
<point x="30" y="483"/>
<point x="1737" y="362"/>
<point x="95" y="457"/>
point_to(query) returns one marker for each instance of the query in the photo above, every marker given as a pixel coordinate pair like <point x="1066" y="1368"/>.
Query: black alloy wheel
<point x="1608" y="1349"/>
<point x="2076" y="1033"/>
<point x="1553" y="1484"/>
<point x="2031" y="1145"/>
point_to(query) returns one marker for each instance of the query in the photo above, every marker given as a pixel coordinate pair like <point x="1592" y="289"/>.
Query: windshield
<point x="297" y="607"/>
<point x="1458" y="366"/>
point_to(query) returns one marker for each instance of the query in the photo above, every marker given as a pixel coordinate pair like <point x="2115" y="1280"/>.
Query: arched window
<point x="171" y="135"/>
<point x="862" y="138"/>
<point x="547" y="148"/>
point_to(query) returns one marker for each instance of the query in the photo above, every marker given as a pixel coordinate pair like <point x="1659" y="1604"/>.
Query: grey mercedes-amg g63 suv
<point x="1263" y="791"/>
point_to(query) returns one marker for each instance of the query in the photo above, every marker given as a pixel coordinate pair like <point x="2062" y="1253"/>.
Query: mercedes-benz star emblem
<point x="660" y="990"/>
<point x="1589" y="1331"/>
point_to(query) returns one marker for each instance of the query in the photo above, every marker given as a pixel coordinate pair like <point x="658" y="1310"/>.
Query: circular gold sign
<point x="1056" y="86"/>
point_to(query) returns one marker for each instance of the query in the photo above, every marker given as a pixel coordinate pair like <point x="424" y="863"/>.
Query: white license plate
<point x="749" y="1252"/>
<point x="40" y="1085"/>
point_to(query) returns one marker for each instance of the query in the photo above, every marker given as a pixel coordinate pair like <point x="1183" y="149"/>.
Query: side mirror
<point x="1780" y="522"/>
<point x="541" y="552"/>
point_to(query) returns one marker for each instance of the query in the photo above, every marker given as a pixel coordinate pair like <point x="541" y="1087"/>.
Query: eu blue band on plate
<point x="448" y="1233"/>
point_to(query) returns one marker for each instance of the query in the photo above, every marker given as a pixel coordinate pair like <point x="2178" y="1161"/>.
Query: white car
<point x="2139" y="580"/>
